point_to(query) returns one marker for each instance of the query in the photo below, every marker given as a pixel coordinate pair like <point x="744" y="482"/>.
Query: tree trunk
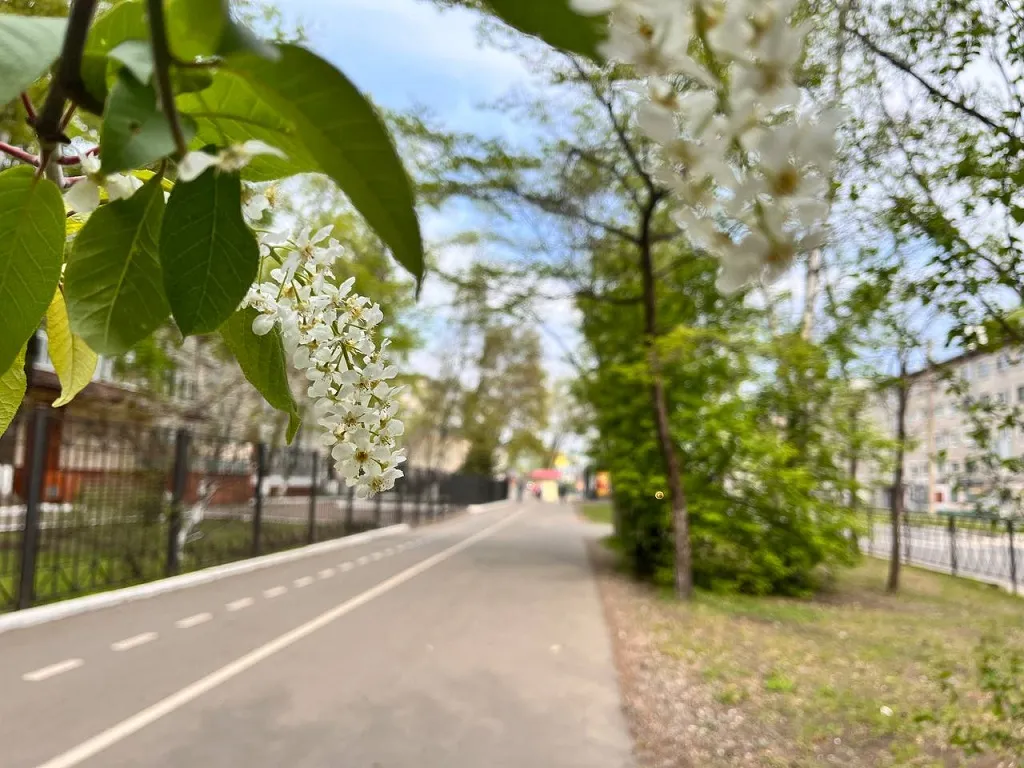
<point x="659" y="402"/>
<point x="896" y="502"/>
<point x="854" y="459"/>
<point x="810" y="294"/>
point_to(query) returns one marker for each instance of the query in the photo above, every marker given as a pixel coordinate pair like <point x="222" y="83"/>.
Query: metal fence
<point x="983" y="548"/>
<point x="87" y="506"/>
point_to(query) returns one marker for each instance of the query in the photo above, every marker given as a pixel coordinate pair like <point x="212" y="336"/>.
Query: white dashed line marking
<point x="346" y="566"/>
<point x="376" y="556"/>
<point x="237" y="605"/>
<point x="362" y="560"/>
<point x="326" y="573"/>
<point x="133" y="642"/>
<point x="305" y="581"/>
<point x="52" y="671"/>
<point x="193" y="621"/>
<point x="274" y="592"/>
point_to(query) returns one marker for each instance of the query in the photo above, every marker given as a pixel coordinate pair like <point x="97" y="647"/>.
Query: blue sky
<point x="407" y="54"/>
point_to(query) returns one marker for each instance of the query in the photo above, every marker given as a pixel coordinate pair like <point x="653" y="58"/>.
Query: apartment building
<point x="939" y="472"/>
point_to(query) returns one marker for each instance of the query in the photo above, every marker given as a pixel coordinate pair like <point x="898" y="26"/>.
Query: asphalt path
<point x="475" y="642"/>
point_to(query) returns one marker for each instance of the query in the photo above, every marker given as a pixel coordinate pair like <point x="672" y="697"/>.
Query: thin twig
<point x="29" y="108"/>
<point x="66" y="83"/>
<point x="162" y="71"/>
<point x="934" y="90"/>
<point x="19" y="154"/>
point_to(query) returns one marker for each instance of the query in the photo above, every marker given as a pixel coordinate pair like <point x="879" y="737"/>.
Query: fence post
<point x="350" y="510"/>
<point x="30" y="533"/>
<point x="1013" y="557"/>
<point x="952" y="544"/>
<point x="906" y="537"/>
<point x="418" y="504"/>
<point x="179" y="486"/>
<point x="400" y="489"/>
<point x="257" y="512"/>
<point x="376" y="511"/>
<point x="314" y="468"/>
<point x="871" y="530"/>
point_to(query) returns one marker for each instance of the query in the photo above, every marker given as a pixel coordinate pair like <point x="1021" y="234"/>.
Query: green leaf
<point x="137" y="57"/>
<point x="12" y="390"/>
<point x="343" y="131"/>
<point x="135" y="132"/>
<point x="294" y="422"/>
<point x="28" y="46"/>
<point x="124" y="21"/>
<point x="112" y="284"/>
<point x="94" y="74"/>
<point x="31" y="252"/>
<point x="190" y="80"/>
<point x="195" y="27"/>
<point x="262" y="361"/>
<point x="72" y="359"/>
<point x="238" y="38"/>
<point x="231" y="109"/>
<point x="554" y="22"/>
<point x="208" y="255"/>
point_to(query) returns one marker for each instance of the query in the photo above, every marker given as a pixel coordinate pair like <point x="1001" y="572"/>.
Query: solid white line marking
<point x="133" y="642"/>
<point x="52" y="671"/>
<point x="237" y="605"/>
<point x="273" y="592"/>
<point x="362" y="560"/>
<point x="193" y="621"/>
<point x="176" y="701"/>
<point x="376" y="556"/>
<point x="346" y="566"/>
<point x="305" y="581"/>
<point x="326" y="573"/>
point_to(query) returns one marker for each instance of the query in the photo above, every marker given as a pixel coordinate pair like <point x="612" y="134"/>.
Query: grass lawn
<point x="852" y="678"/>
<point x="597" y="511"/>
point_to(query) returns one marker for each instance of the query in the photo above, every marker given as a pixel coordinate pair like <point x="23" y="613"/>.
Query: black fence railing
<point x="989" y="549"/>
<point x="89" y="506"/>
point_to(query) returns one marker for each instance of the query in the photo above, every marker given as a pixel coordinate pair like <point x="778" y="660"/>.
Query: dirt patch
<point x="734" y="681"/>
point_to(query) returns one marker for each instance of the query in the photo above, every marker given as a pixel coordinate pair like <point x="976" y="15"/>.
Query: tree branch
<point x="162" y="71"/>
<point x="67" y="82"/>
<point x="934" y="90"/>
<point x="620" y="132"/>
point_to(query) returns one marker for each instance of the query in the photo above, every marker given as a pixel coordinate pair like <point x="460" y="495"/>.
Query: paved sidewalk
<point x="476" y="643"/>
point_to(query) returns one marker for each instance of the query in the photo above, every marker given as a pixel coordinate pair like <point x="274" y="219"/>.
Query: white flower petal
<point x="257" y="147"/>
<point x="263" y="325"/>
<point x="83" y="197"/>
<point x="194" y="164"/>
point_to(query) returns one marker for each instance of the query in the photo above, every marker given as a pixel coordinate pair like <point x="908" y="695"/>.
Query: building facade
<point x="940" y="467"/>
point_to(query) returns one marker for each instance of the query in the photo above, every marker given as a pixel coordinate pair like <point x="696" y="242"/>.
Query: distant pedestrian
<point x="563" y="492"/>
<point x="520" y="489"/>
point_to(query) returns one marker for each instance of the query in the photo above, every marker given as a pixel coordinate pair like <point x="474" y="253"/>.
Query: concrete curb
<point x="45" y="613"/>
<point x="476" y="509"/>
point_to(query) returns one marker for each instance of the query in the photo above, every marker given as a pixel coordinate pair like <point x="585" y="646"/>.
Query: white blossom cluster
<point x="328" y="332"/>
<point x="747" y="161"/>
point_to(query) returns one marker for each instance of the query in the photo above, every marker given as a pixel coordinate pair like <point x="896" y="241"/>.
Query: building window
<point x="967" y="372"/>
<point x="1001" y="398"/>
<point x="954" y="467"/>
<point x="1020" y="394"/>
<point x="983" y="369"/>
